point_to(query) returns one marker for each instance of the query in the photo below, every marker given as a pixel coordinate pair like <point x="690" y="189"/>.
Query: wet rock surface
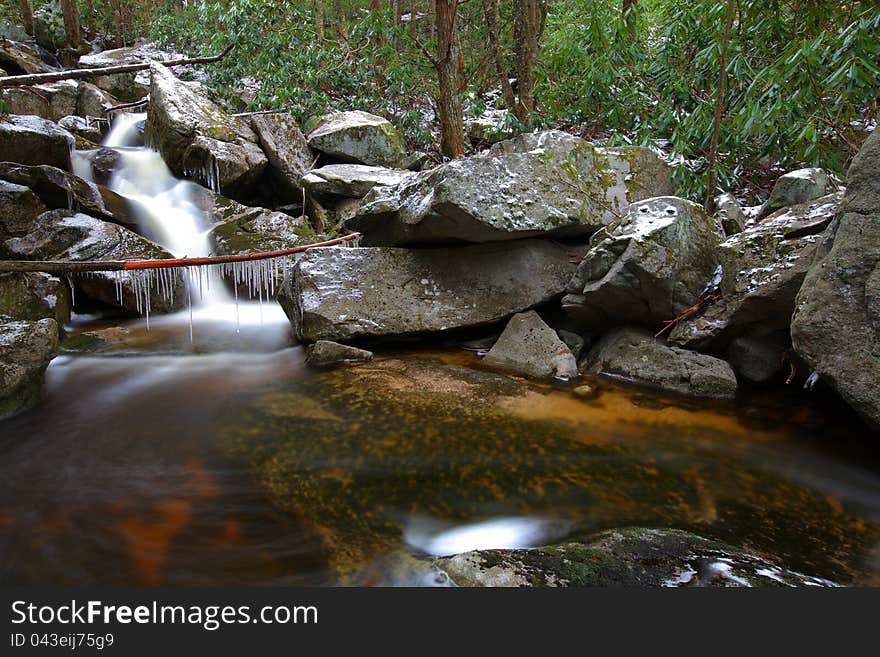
<point x="649" y="267"/>
<point x="549" y="184"/>
<point x="344" y="293"/>
<point x="528" y="346"/>
<point x="631" y="556"/>
<point x="634" y="355"/>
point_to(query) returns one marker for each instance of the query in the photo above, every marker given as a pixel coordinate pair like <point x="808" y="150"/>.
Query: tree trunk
<point x="90" y="16"/>
<point x="528" y="25"/>
<point x="490" y="11"/>
<point x="70" y="13"/>
<point x="629" y="13"/>
<point x="118" y="26"/>
<point x="319" y="19"/>
<point x="719" y="106"/>
<point x="341" y="20"/>
<point x="450" y="71"/>
<point x="27" y="17"/>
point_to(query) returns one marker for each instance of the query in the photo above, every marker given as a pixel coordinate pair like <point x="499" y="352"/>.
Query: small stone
<point x="528" y="346"/>
<point x="325" y="353"/>
<point x="794" y="188"/>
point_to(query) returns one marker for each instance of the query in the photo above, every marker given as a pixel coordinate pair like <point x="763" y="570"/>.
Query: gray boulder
<point x="763" y="269"/>
<point x="26" y="347"/>
<point x="757" y="356"/>
<point x="287" y="150"/>
<point x="258" y="230"/>
<point x="325" y="353"/>
<point x="58" y="189"/>
<point x="794" y="188"/>
<point x="633" y="354"/>
<point x="199" y="140"/>
<point x="82" y="127"/>
<point x="647" y="268"/>
<point x="730" y="214"/>
<point x="630" y="556"/>
<point x="350" y="180"/>
<point x="93" y="101"/>
<point x="19" y="206"/>
<point x="31" y="296"/>
<point x="35" y="140"/>
<point x="541" y="184"/>
<point x="528" y="346"/>
<point x="344" y="293"/>
<point x="836" y="322"/>
<point x="66" y="235"/>
<point x="55" y="100"/>
<point x="359" y="138"/>
<point x="18" y="58"/>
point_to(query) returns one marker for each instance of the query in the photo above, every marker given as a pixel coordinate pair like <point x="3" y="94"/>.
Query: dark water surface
<point x="168" y="468"/>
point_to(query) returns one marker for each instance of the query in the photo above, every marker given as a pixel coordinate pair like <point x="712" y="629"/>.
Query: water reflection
<point x="438" y="538"/>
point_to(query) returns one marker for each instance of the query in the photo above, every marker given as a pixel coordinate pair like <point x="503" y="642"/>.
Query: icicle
<point x="72" y="291"/>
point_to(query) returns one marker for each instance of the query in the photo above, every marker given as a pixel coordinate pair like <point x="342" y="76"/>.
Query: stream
<point x="203" y="451"/>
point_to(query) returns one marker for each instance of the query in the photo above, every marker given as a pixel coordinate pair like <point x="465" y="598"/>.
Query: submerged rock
<point x="287" y="150"/>
<point x="549" y="184"/>
<point x="632" y="556"/>
<point x="794" y="188"/>
<point x="836" y="323"/>
<point x="763" y="269"/>
<point x="325" y="353"/>
<point x="67" y="235"/>
<point x="634" y="355"/>
<point x="344" y="293"/>
<point x="198" y="139"/>
<point x="528" y="346"/>
<point x="359" y="138"/>
<point x="350" y="180"/>
<point x="647" y="268"/>
<point x="34" y="140"/>
<point x="26" y="347"/>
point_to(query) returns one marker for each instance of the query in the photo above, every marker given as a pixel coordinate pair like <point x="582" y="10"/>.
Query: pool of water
<point x="155" y="461"/>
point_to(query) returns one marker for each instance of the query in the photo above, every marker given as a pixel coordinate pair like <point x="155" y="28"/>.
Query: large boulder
<point x="21" y="59"/>
<point x="31" y="296"/>
<point x="836" y="322"/>
<point x="93" y="101"/>
<point x="50" y="101"/>
<point x="258" y="230"/>
<point x="67" y="235"/>
<point x="346" y="293"/>
<point x="35" y="140"/>
<point x="528" y="346"/>
<point x="647" y="268"/>
<point x="547" y="183"/>
<point x="763" y="269"/>
<point x="26" y="347"/>
<point x="19" y="206"/>
<point x="633" y="354"/>
<point x="199" y="140"/>
<point x="58" y="189"/>
<point x="350" y="180"/>
<point x="794" y="188"/>
<point x="630" y="556"/>
<point x="287" y="150"/>
<point x="359" y="138"/>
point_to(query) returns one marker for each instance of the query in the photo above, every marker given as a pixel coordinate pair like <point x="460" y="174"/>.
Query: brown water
<point x="148" y="464"/>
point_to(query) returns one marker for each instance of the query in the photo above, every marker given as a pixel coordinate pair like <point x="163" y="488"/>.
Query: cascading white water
<point x="168" y="213"/>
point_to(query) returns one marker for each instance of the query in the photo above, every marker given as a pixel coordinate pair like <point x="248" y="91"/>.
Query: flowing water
<point x="157" y="458"/>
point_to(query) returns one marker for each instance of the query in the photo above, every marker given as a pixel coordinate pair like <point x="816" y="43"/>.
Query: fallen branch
<point x="72" y="266"/>
<point x="81" y="73"/>
<point x="125" y="106"/>
<point x="710" y="295"/>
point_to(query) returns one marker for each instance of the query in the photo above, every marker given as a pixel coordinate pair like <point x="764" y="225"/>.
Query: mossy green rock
<point x="26" y="347"/>
<point x="647" y="267"/>
<point x="32" y="296"/>
<point x="632" y="556"/>
<point x="359" y="138"/>
<point x="542" y="184"/>
<point x="199" y="140"/>
<point x="794" y="188"/>
<point x="258" y="230"/>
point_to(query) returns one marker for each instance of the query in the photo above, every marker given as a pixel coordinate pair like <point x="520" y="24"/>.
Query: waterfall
<point x="168" y="213"/>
